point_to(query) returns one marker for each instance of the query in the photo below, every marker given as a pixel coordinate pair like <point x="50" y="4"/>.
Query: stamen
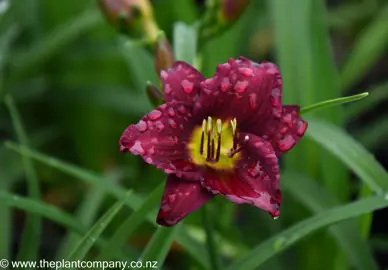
<point x="234" y="151"/>
<point x="209" y="135"/>
<point x="202" y="136"/>
<point x="234" y="127"/>
<point x="219" y="131"/>
<point x="209" y="124"/>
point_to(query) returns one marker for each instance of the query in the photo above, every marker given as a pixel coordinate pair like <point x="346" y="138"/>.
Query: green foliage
<point x="70" y="84"/>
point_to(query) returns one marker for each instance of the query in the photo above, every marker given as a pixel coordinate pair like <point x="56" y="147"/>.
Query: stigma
<point x="215" y="143"/>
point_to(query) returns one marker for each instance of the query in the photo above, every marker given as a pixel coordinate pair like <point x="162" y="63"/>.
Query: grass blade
<point x="42" y="209"/>
<point x="31" y="234"/>
<point x="124" y="232"/>
<point x="86" y="213"/>
<point x="332" y="102"/>
<point x="94" y="233"/>
<point x="368" y="48"/>
<point x="159" y="245"/>
<point x="288" y="237"/>
<point x="317" y="199"/>
<point x="349" y="151"/>
<point x="195" y="249"/>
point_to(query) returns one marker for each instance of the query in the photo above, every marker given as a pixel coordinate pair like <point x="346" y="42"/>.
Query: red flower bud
<point x="164" y="57"/>
<point x="232" y="9"/>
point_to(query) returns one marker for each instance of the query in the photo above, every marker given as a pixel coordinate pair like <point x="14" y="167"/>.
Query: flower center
<point x="215" y="144"/>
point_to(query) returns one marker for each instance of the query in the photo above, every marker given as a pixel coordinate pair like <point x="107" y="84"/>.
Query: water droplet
<point x="171" y="198"/>
<point x="172" y="123"/>
<point x="279" y="243"/>
<point x="253" y="100"/>
<point x="169" y="171"/>
<point x="287" y="143"/>
<point x="137" y="148"/>
<point x="187" y="86"/>
<point x="159" y="126"/>
<point x="151" y="151"/>
<point x="167" y="89"/>
<point x="164" y="75"/>
<point x="154" y="115"/>
<point x="275" y="101"/>
<point x="225" y="84"/>
<point x="253" y="172"/>
<point x="258" y="144"/>
<point x="272" y="71"/>
<point x="246" y="71"/>
<point x="287" y="119"/>
<point x="302" y="126"/>
<point x="141" y="126"/>
<point x="284" y="130"/>
<point x="171" y="112"/>
<point x="182" y="109"/>
<point x="149" y="160"/>
<point x="241" y="86"/>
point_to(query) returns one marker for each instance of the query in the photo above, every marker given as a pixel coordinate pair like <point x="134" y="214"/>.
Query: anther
<point x="209" y="141"/>
<point x="209" y="124"/>
<point x="219" y="126"/>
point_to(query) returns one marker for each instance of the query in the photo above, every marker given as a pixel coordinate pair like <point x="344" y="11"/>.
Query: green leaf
<point x="280" y="242"/>
<point x="346" y="233"/>
<point x="195" y="249"/>
<point x="159" y="245"/>
<point x="349" y="151"/>
<point x="31" y="233"/>
<point x="185" y="42"/>
<point x="94" y="233"/>
<point x="333" y="102"/>
<point x="369" y="47"/>
<point x="128" y="227"/>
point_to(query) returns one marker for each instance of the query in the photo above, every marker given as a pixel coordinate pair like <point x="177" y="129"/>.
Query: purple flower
<point x="221" y="135"/>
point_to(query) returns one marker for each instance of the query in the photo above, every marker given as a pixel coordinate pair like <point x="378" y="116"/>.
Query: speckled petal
<point x="180" y="198"/>
<point x="181" y="83"/>
<point x="285" y="133"/>
<point x="242" y="89"/>
<point x="160" y="137"/>
<point x="255" y="181"/>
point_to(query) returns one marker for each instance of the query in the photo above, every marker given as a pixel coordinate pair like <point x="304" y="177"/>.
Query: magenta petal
<point x="180" y="198"/>
<point x="286" y="132"/>
<point x="160" y="138"/>
<point x="255" y="181"/>
<point x="181" y="83"/>
<point x="242" y="89"/>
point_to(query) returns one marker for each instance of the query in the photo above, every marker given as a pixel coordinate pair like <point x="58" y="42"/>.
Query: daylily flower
<point x="217" y="136"/>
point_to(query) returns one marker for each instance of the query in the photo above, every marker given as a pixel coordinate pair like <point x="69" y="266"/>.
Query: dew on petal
<point x="253" y="100"/>
<point x="151" y="151"/>
<point x="169" y="171"/>
<point x="167" y="89"/>
<point x="137" y="148"/>
<point x="159" y="126"/>
<point x="272" y="71"/>
<point x="172" y="123"/>
<point x="182" y="109"/>
<point x="171" y="198"/>
<point x="187" y="86"/>
<point x="225" y="84"/>
<point x="149" y="160"/>
<point x="288" y="119"/>
<point x="141" y="126"/>
<point x="275" y="101"/>
<point x="241" y="86"/>
<point x="253" y="172"/>
<point x="164" y="75"/>
<point x="154" y="115"/>
<point x="171" y="112"/>
<point x="246" y="71"/>
<point x="287" y="143"/>
<point x="284" y="130"/>
<point x="301" y="128"/>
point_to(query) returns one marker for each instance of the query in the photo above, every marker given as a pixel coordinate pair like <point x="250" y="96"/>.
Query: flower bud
<point x="164" y="57"/>
<point x="155" y="96"/>
<point x="131" y="17"/>
<point x="231" y="10"/>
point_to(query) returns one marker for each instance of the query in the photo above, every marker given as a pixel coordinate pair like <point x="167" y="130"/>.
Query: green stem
<point x="210" y="241"/>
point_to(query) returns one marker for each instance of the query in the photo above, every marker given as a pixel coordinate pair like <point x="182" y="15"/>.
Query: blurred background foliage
<point x="70" y="84"/>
